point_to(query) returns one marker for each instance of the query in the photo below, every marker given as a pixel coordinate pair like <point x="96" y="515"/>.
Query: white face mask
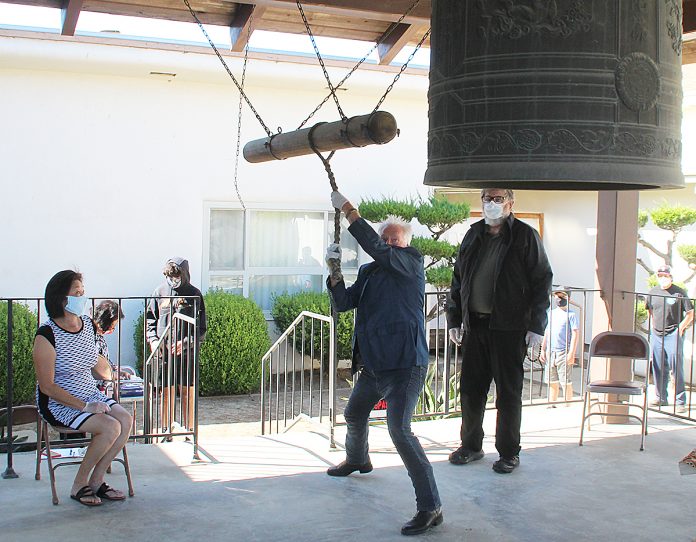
<point x="76" y="304"/>
<point x="493" y="210"/>
<point x="664" y="282"/>
<point x="174" y="282"/>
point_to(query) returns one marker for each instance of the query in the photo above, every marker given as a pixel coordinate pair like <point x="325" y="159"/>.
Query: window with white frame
<point x="264" y="252"/>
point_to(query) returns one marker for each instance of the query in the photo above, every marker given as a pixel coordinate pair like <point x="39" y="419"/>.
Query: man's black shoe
<point x="345" y="468"/>
<point x="422" y="521"/>
<point x="505" y="465"/>
<point x="463" y="455"/>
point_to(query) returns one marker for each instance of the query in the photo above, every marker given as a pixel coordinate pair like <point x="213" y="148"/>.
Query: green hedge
<point x="287" y="307"/>
<point x="231" y="353"/>
<point x="237" y="337"/>
<point x="139" y="342"/>
<point x="23" y="332"/>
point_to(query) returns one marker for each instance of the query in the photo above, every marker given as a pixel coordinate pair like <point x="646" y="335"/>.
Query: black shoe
<point x="505" y="465"/>
<point x="345" y="468"/>
<point x="422" y="521"/>
<point x="463" y="455"/>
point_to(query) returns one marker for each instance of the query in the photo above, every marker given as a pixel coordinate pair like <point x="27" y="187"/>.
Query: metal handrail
<point x="285" y="343"/>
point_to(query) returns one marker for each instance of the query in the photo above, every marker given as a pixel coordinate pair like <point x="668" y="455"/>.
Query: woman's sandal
<point x="84" y="493"/>
<point x="106" y="492"/>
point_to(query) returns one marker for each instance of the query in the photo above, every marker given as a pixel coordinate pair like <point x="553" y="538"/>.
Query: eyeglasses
<point x="495" y="199"/>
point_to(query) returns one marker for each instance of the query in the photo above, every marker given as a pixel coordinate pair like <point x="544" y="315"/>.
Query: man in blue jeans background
<point x="389" y="351"/>
<point x="672" y="313"/>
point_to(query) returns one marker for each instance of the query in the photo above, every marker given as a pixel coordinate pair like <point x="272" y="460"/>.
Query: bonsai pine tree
<point x="672" y="218"/>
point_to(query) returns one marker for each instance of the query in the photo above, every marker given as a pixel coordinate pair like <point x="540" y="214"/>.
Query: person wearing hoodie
<point x="176" y="295"/>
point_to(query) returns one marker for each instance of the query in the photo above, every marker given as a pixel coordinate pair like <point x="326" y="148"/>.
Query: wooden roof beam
<point x="70" y="13"/>
<point x="398" y="37"/>
<point x="381" y="10"/>
<point x="246" y="19"/>
<point x="689" y="16"/>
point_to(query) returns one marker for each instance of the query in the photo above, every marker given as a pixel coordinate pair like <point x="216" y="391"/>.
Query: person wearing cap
<point x="559" y="347"/>
<point x="496" y="309"/>
<point x="671" y="313"/>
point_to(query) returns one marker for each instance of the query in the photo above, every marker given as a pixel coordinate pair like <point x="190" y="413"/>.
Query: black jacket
<point x="522" y="282"/>
<point x="388" y="295"/>
<point x="157" y="315"/>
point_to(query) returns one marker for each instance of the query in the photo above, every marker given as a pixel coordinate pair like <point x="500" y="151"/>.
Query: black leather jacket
<point x="522" y="282"/>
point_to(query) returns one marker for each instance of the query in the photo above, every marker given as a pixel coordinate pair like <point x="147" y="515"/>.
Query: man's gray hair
<point x="393" y="220"/>
<point x="509" y="194"/>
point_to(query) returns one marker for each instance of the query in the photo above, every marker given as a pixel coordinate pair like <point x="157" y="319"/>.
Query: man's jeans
<point x="667" y="354"/>
<point x="400" y="388"/>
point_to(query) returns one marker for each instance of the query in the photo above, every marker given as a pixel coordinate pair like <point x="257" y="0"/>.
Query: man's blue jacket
<point x="388" y="294"/>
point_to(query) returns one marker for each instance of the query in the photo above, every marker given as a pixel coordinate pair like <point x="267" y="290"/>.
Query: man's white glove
<point x="533" y="339"/>
<point x="455" y="335"/>
<point x="338" y="200"/>
<point x="333" y="252"/>
<point x="96" y="407"/>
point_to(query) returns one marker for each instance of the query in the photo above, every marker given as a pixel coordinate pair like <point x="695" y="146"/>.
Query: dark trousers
<point x="487" y="355"/>
<point x="400" y="388"/>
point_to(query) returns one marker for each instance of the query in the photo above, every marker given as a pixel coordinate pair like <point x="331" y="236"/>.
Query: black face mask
<point x="561" y="302"/>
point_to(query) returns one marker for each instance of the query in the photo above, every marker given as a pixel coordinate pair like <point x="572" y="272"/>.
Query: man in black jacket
<point x="389" y="350"/>
<point x="176" y="295"/>
<point x="497" y="308"/>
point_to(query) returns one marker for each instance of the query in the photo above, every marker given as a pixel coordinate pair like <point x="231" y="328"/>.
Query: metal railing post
<point x="9" y="471"/>
<point x="333" y="368"/>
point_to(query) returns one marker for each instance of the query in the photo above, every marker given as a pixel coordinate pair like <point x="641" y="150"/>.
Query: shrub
<point x="236" y="340"/>
<point x="23" y="332"/>
<point x="434" y="248"/>
<point x="439" y="276"/>
<point x="673" y="217"/>
<point x="139" y="341"/>
<point x="641" y="311"/>
<point x="378" y="210"/>
<point x="688" y="253"/>
<point x="287" y="307"/>
<point x="438" y="213"/>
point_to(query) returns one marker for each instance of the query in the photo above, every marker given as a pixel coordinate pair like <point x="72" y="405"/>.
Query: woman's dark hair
<point x="57" y="291"/>
<point x="106" y="313"/>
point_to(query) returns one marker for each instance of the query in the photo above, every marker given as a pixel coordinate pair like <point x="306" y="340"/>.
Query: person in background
<point x="65" y="359"/>
<point x="671" y="313"/>
<point x="176" y="295"/>
<point x="106" y="316"/>
<point x="559" y="347"/>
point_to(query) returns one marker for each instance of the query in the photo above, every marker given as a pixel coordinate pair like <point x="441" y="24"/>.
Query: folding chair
<point x="618" y="346"/>
<point x="44" y="443"/>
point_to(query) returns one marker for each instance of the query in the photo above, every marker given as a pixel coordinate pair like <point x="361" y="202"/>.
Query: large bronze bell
<point x="555" y="94"/>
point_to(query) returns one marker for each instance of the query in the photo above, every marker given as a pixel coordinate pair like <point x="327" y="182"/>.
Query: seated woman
<point x="65" y="359"/>
<point x="106" y="317"/>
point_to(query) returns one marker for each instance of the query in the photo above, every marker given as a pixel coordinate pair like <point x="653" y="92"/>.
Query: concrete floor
<point x="274" y="488"/>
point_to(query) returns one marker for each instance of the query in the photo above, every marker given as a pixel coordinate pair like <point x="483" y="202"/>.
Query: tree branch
<point x="645" y="266"/>
<point x="649" y="246"/>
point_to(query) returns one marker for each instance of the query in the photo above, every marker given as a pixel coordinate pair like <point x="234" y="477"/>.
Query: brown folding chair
<point x="618" y="346"/>
<point x="44" y="444"/>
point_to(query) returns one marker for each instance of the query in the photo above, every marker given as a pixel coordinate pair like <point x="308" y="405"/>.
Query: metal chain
<point x="321" y="61"/>
<point x="239" y="114"/>
<point x="222" y="60"/>
<point x="361" y="61"/>
<point x="403" y="68"/>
